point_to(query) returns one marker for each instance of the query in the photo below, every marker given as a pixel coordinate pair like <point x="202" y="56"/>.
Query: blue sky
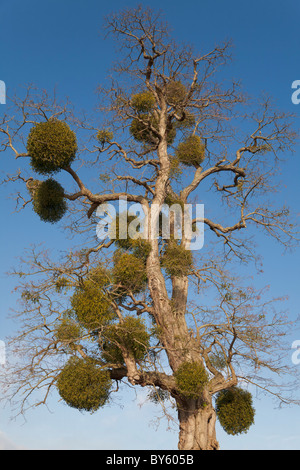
<point x="59" y="44"/>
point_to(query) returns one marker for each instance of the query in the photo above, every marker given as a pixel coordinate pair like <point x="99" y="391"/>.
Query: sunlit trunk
<point x="197" y="426"/>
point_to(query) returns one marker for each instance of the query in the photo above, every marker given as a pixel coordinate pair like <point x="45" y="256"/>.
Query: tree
<point x="149" y="310"/>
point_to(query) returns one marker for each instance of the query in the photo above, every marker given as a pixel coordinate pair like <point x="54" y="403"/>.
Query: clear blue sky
<point x="58" y="43"/>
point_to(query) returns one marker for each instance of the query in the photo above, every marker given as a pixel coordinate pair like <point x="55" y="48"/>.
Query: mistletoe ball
<point x="52" y="146"/>
<point x="84" y="385"/>
<point x="48" y="201"/>
<point x="234" y="410"/>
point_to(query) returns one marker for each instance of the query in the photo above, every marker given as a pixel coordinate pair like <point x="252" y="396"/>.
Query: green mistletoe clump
<point x="234" y="410"/>
<point x="145" y="128"/>
<point x="48" y="201"/>
<point x="129" y="272"/>
<point x="84" y="385"/>
<point x="130" y="335"/>
<point x="191" y="152"/>
<point x="52" y="145"/>
<point x="176" y="260"/>
<point x="191" y="378"/>
<point x="176" y="93"/>
<point x="90" y="302"/>
<point x="143" y="102"/>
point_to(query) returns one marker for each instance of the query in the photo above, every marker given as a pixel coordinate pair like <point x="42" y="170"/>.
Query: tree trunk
<point x="197" y="426"/>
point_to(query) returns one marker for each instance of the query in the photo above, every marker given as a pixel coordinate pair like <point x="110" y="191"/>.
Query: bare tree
<point x="152" y="312"/>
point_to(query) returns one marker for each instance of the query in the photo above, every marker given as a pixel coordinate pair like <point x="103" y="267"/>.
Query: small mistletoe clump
<point x="175" y="169"/>
<point x="48" y="201"/>
<point x="91" y="305"/>
<point x="67" y="331"/>
<point x="83" y="385"/>
<point x="119" y="232"/>
<point x="129" y="272"/>
<point x="171" y="200"/>
<point x="61" y="283"/>
<point x="98" y="276"/>
<point x="104" y="136"/>
<point x="234" y="410"/>
<point x="52" y="146"/>
<point x="127" y="241"/>
<point x="191" y="379"/>
<point x="187" y="121"/>
<point x="141" y="131"/>
<point x="143" y="102"/>
<point x="176" y="260"/>
<point x="176" y="93"/>
<point x="130" y="335"/>
<point x="157" y="396"/>
<point x="145" y="129"/>
<point x="191" y="152"/>
<point x="32" y="185"/>
<point x="141" y="248"/>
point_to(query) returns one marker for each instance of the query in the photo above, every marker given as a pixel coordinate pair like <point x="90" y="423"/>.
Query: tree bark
<point x="196" y="417"/>
<point x="197" y="426"/>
